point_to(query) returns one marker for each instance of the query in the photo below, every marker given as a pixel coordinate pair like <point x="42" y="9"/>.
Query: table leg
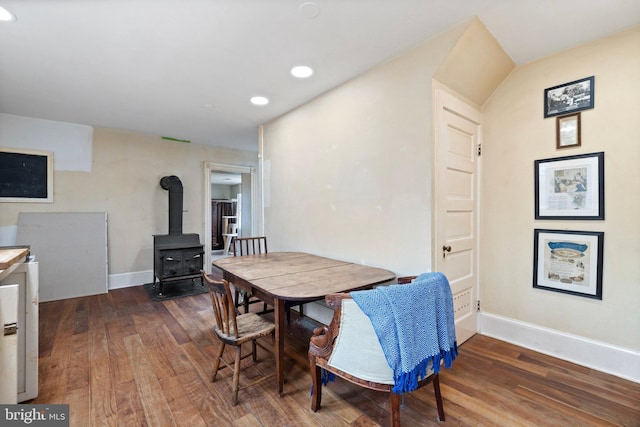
<point x="279" y="314"/>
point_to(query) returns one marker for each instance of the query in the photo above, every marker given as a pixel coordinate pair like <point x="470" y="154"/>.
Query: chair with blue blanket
<point x="363" y="345"/>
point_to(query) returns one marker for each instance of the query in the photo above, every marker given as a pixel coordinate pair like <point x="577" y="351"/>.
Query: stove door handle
<point x="169" y="258"/>
<point x="197" y="256"/>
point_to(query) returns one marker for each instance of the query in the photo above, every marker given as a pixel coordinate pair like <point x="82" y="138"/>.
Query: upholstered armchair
<point x="350" y="346"/>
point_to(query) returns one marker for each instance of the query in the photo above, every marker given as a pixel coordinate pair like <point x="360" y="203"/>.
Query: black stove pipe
<point x="173" y="184"/>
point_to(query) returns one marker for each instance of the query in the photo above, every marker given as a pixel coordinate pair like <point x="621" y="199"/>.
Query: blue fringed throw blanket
<point x="415" y="326"/>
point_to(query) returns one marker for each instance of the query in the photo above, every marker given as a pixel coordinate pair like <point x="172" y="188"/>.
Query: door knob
<point x="446" y="248"/>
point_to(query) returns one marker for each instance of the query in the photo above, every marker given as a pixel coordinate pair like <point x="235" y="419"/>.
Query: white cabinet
<point x="25" y="275"/>
<point x="8" y="344"/>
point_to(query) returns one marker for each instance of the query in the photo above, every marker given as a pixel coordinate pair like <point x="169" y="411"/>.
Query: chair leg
<point x="316" y="391"/>
<point x="236" y="376"/>
<point x="395" y="409"/>
<point x="436" y="390"/>
<point x="245" y="300"/>
<point x="254" y="350"/>
<point x="216" y="363"/>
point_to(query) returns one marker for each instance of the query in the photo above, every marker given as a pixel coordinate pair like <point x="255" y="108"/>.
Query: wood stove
<point x="177" y="256"/>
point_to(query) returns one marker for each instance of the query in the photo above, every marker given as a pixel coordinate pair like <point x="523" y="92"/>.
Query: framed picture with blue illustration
<point x="568" y="261"/>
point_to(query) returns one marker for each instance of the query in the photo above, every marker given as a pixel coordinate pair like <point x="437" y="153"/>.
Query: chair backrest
<point x="250" y="246"/>
<point x="223" y="306"/>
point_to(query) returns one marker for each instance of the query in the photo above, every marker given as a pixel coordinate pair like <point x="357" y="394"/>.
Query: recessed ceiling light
<point x="259" y="100"/>
<point x="5" y="15"/>
<point x="309" y="10"/>
<point x="301" y="71"/>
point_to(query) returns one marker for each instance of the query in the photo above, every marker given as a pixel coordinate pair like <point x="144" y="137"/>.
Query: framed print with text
<point x="568" y="131"/>
<point x="568" y="261"/>
<point x="570" y="187"/>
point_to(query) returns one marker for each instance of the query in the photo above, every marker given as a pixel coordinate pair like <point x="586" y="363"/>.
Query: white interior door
<point x="8" y="344"/>
<point x="456" y="169"/>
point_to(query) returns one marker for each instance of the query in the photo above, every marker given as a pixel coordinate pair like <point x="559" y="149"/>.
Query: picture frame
<point x="570" y="187"/>
<point x="26" y="176"/>
<point x="569" y="97"/>
<point x="568" y="131"/>
<point x="569" y="262"/>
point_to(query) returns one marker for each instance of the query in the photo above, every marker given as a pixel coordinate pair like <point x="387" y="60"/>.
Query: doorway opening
<point x="229" y="207"/>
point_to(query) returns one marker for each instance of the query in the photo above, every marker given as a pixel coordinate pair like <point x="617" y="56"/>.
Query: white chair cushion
<point x="357" y="350"/>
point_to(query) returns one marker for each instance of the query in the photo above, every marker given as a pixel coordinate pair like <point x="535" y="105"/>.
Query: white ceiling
<point x="186" y="69"/>
<point x="226" y="178"/>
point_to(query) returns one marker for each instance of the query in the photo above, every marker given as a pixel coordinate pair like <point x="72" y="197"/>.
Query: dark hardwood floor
<point x="119" y="359"/>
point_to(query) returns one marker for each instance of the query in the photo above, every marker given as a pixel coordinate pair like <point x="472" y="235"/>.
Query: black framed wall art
<point x="569" y="97"/>
<point x="570" y="187"/>
<point x="568" y="262"/>
<point x="26" y="176"/>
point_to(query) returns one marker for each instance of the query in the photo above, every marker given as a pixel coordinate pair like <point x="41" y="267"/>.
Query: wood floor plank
<point x="98" y="344"/>
<point x="487" y="409"/>
<point x="184" y="411"/>
<point x="563" y="414"/>
<point x="129" y="405"/>
<point x="121" y="359"/>
<point x="172" y="324"/>
<point x="118" y="359"/>
<point x="154" y="402"/>
<point x="79" y="401"/>
<point x="210" y="400"/>
<point x="103" y="398"/>
<point x="78" y="373"/>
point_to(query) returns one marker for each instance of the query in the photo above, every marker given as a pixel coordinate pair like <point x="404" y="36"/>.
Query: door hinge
<point x="478" y="305"/>
<point x="10" y="328"/>
<point x="479" y="150"/>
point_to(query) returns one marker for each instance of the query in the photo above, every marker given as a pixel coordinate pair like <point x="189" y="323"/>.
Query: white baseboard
<point x="598" y="355"/>
<point x="126" y="280"/>
<point x="319" y="311"/>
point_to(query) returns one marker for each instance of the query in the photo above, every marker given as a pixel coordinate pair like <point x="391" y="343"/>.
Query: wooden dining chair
<point x="249" y="246"/>
<point x="255" y="246"/>
<point x="235" y="330"/>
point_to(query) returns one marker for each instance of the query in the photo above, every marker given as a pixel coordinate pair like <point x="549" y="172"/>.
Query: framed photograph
<point x="26" y="176"/>
<point x="568" y="262"/>
<point x="568" y="131"/>
<point x="569" y="97"/>
<point x="570" y="187"/>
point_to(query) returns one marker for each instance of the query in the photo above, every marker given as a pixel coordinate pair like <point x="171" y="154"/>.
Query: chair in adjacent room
<point x="230" y="233"/>
<point x="235" y="330"/>
<point x="351" y="348"/>
<point x="255" y="246"/>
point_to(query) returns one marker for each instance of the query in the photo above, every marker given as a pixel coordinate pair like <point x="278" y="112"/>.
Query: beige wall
<point x="516" y="134"/>
<point x="125" y="182"/>
<point x="476" y="66"/>
<point x="348" y="175"/>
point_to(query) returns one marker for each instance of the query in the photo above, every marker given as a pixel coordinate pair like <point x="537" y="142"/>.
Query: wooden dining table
<point x="279" y="278"/>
